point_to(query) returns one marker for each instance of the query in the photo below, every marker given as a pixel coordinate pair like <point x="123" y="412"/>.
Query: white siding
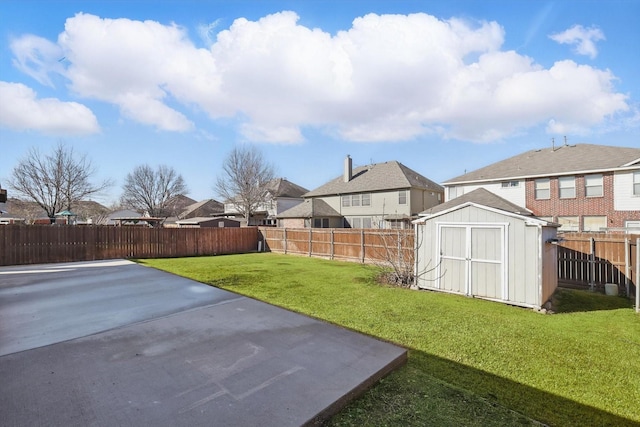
<point x="515" y="195"/>
<point x="623" y="197"/>
<point x="528" y="279"/>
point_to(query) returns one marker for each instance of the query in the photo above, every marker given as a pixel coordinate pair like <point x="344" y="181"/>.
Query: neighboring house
<point x="85" y="212"/>
<point x="207" y="222"/>
<point x="8" y="218"/>
<point x="381" y="195"/>
<point x="205" y="208"/>
<point x="482" y="245"/>
<point x="280" y="196"/>
<point x="114" y="218"/>
<point x="582" y="187"/>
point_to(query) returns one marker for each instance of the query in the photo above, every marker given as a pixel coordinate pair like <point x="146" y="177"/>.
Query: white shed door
<point x="472" y="260"/>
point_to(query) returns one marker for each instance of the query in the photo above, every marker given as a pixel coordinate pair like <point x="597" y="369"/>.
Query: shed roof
<point x="563" y="160"/>
<point x="480" y="196"/>
<point x="391" y="175"/>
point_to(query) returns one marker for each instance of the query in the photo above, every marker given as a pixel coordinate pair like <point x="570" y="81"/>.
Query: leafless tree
<point x="244" y="179"/>
<point x="55" y="181"/>
<point x="396" y="256"/>
<point x="152" y="190"/>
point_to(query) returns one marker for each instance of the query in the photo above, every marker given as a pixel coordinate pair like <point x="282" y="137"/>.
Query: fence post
<point x="627" y="260"/>
<point x="310" y="240"/>
<point x="362" y="244"/>
<point x="637" y="270"/>
<point x="285" y="241"/>
<point x="332" y="249"/>
<point x="592" y="263"/>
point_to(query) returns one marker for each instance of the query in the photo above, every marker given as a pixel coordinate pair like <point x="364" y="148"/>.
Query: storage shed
<point x="484" y="246"/>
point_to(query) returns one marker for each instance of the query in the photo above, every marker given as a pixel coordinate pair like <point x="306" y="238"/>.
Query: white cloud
<point x="584" y="39"/>
<point x="21" y="110"/>
<point x="37" y="57"/>
<point x="387" y="78"/>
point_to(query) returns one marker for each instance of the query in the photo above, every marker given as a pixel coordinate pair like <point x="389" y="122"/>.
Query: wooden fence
<point x="30" y="244"/>
<point x="590" y="260"/>
<point x="347" y="244"/>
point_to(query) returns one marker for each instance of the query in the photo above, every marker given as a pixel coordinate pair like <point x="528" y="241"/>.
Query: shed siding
<point x="527" y="283"/>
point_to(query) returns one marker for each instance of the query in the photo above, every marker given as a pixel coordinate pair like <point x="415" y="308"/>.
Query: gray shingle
<point x="310" y="208"/>
<point x="376" y="177"/>
<point x="549" y="162"/>
<point x="482" y="197"/>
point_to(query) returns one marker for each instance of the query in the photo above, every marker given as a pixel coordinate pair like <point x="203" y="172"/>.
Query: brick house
<point x="583" y="187"/>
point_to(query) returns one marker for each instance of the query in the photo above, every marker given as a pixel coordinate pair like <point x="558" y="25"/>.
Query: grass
<point x="471" y="362"/>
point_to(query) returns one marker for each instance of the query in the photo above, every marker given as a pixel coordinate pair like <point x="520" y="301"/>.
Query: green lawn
<point x="471" y="362"/>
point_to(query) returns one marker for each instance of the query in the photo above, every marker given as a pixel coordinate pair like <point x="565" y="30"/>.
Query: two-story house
<point x="381" y="195"/>
<point x="280" y="195"/>
<point x="583" y="187"/>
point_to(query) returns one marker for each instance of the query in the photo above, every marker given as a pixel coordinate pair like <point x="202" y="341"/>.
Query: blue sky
<point x="443" y="87"/>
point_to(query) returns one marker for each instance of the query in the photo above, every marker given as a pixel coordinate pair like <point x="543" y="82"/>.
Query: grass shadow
<point x="566" y="300"/>
<point x="450" y="400"/>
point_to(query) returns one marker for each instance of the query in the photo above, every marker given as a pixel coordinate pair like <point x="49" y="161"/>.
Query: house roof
<point x="310" y="208"/>
<point x="201" y="219"/>
<point x="281" y="187"/>
<point x="563" y="160"/>
<point x="391" y="175"/>
<point x="215" y="207"/>
<point x="482" y="197"/>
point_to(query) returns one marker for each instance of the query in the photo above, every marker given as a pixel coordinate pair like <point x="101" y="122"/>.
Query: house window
<point x="567" y="187"/>
<point x="346" y="201"/>
<point x="321" y="223"/>
<point x="355" y="200"/>
<point x="510" y="184"/>
<point x="455" y="192"/>
<point x="402" y="197"/>
<point x="355" y="223"/>
<point x="366" y="223"/>
<point x="542" y="189"/>
<point x="568" y="223"/>
<point x="594" y="223"/>
<point x="593" y="185"/>
<point x="366" y="199"/>
<point x="636" y="183"/>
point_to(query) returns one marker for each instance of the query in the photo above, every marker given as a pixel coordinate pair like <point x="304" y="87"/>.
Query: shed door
<point x="472" y="259"/>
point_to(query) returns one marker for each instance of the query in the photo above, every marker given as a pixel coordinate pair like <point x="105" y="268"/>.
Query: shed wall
<point x="523" y="252"/>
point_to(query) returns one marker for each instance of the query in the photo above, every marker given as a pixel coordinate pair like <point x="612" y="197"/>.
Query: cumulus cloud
<point x="21" y="110"/>
<point x="387" y="78"/>
<point x="583" y="39"/>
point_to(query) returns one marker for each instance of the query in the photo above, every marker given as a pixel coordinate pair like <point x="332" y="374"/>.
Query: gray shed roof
<point x="310" y="208"/>
<point x="482" y="197"/>
<point x="566" y="159"/>
<point x="376" y="177"/>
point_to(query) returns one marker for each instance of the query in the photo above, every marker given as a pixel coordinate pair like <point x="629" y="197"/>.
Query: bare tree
<point x="55" y="181"/>
<point x="244" y="180"/>
<point x="152" y="190"/>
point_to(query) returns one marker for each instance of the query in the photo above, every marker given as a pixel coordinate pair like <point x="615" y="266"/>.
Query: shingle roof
<point x="310" y="208"/>
<point x="566" y="159"/>
<point x="376" y="177"/>
<point x="482" y="197"/>
<point x="281" y="187"/>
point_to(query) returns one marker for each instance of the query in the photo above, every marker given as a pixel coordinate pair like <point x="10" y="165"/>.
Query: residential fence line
<point x="32" y="244"/>
<point x="591" y="260"/>
<point x="346" y="244"/>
